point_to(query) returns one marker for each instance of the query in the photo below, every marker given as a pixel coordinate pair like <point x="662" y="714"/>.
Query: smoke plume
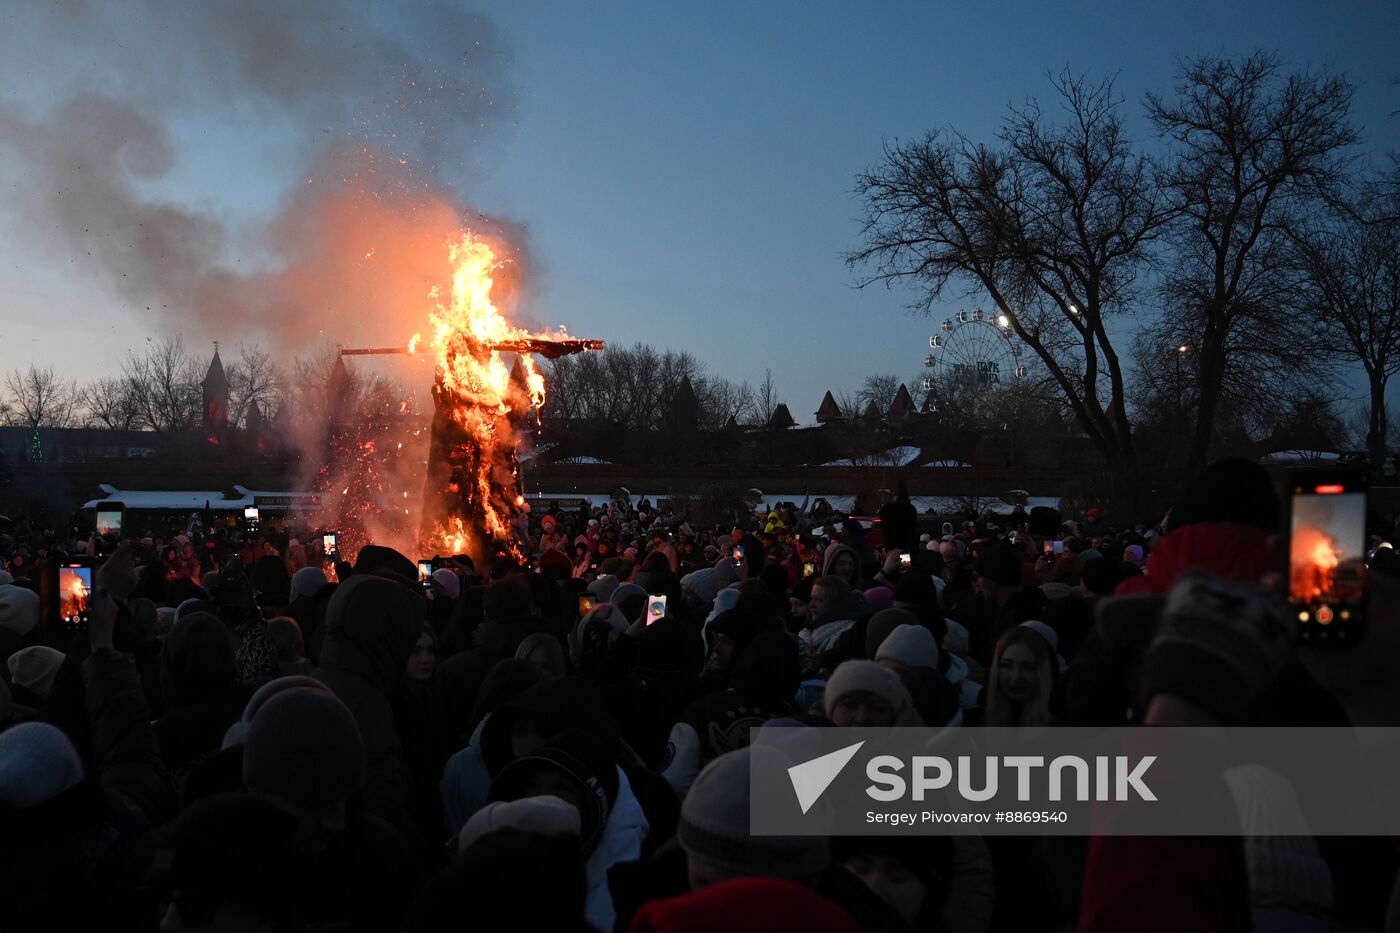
<point x="383" y="108"/>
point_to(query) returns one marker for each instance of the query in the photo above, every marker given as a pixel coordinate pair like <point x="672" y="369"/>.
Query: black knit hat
<point x="304" y="746"/>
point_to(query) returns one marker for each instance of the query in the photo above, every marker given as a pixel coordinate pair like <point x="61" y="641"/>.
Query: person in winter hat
<point x="372" y="625"/>
<point x="302" y="748"/>
<point x="32" y="671"/>
<point x="862" y="693"/>
<point x="581" y="769"/>
<point x="19" y="615"/>
<point x="714" y="831"/>
<point x="37" y="763"/>
<point x="544" y="815"/>
<point x="912" y="652"/>
<point x="306" y="581"/>
<point x="908" y="646"/>
<point x="66" y="831"/>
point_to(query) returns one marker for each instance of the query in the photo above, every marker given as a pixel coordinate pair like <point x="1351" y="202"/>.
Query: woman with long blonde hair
<point x="1020" y="680"/>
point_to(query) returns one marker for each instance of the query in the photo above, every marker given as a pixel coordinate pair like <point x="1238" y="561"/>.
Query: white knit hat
<point x="910" y="645"/>
<point x="544" y="815"/>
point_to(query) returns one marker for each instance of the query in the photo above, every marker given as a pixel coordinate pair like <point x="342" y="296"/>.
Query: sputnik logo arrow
<point x="811" y="778"/>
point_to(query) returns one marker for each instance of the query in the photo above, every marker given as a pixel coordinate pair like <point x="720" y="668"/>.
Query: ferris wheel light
<point x="1003" y="321"/>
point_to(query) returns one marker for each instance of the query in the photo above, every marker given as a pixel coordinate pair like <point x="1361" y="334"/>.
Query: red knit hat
<point x="745" y="905"/>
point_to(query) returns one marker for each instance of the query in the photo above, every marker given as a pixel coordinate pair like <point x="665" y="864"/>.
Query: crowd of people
<point x="263" y="737"/>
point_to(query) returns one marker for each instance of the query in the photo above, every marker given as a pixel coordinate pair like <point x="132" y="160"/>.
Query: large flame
<point x="1314" y="561"/>
<point x="475" y="384"/>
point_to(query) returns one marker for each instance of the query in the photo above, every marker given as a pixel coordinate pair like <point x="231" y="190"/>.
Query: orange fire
<point x="1314" y="563"/>
<point x="467" y="330"/>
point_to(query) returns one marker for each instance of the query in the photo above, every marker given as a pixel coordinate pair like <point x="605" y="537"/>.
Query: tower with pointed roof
<point x="215" y="390"/>
<point x="902" y="406"/>
<point x="685" y="407"/>
<point x="828" y="410"/>
<point x="782" y="418"/>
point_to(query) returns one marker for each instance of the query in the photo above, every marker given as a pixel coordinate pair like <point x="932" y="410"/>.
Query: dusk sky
<point x="685" y="173"/>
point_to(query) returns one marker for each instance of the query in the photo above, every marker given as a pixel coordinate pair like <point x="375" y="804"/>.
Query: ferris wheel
<point x="973" y="353"/>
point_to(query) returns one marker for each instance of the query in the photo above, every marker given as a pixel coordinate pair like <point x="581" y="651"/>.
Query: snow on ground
<point x="1301" y="456"/>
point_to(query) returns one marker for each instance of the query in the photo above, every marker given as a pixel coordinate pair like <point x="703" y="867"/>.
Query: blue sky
<point x="685" y="172"/>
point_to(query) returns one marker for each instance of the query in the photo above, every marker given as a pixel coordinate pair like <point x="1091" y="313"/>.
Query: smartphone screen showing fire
<point x="109" y="522"/>
<point x="1327" y="549"/>
<point x="74" y="589"/>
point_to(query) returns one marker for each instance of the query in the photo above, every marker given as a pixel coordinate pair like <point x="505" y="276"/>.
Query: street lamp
<point x="1181" y="352"/>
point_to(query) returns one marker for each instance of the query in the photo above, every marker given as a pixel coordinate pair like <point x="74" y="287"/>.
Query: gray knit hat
<point x="304" y="746"/>
<point x="37" y="763"/>
<point x="714" y="826"/>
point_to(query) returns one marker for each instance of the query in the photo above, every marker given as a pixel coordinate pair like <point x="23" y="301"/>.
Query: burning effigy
<point x="471" y="499"/>
<point x="1313" y="564"/>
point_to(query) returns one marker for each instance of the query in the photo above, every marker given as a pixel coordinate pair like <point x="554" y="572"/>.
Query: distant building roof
<point x="871" y="413"/>
<point x="782" y="418"/>
<point x="903" y="404"/>
<point x="828" y="410"/>
<point x="685" y="392"/>
<point x="193" y="500"/>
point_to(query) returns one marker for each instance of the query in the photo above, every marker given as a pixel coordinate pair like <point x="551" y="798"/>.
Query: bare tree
<point x="1254" y="150"/>
<point x="165" y="387"/>
<point x="766" y="398"/>
<point x="1052" y="224"/>
<point x="721" y="399"/>
<point x="39" y="399"/>
<point x="253" y="378"/>
<point x="635" y="386"/>
<point x="1352" y="282"/>
<point x="879" y="389"/>
<point x="110" y="404"/>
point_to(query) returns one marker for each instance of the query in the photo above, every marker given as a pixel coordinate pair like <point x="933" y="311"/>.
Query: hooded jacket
<point x="372" y="624"/>
<point x="198" y="689"/>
